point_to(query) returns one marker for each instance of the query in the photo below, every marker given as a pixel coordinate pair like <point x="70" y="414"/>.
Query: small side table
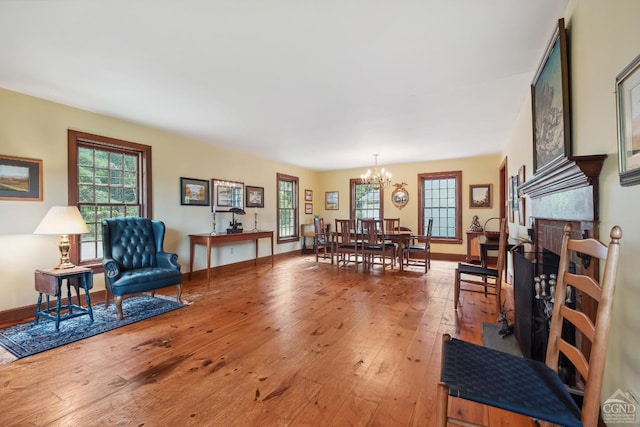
<point x="49" y="282"/>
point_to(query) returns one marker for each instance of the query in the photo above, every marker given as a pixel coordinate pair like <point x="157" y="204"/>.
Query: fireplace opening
<point x="533" y="302"/>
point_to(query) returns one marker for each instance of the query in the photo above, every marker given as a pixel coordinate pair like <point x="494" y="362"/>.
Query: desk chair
<point x="473" y="278"/>
<point x="530" y="387"/>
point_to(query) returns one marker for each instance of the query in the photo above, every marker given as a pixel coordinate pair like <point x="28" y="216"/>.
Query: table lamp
<point x="62" y="220"/>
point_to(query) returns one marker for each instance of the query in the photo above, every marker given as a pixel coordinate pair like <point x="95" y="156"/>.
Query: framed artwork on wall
<point x="255" y="197"/>
<point x="331" y="200"/>
<point x="308" y="195"/>
<point x="226" y="195"/>
<point x="20" y="179"/>
<point x="628" y="112"/>
<point x="550" y="105"/>
<point x="308" y="208"/>
<point x="194" y="192"/>
<point x="400" y="196"/>
<point x="480" y="196"/>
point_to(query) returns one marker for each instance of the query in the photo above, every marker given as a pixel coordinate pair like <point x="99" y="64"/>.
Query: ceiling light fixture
<point x="378" y="179"/>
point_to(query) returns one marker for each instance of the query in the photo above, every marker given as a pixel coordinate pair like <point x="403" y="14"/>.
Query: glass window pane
<point x="85" y="156"/>
<point x="86" y="194"/>
<point x="102" y="159"/>
<point x="116" y="161"/>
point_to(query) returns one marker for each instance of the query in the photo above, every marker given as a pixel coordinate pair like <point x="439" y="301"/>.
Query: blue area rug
<point x="25" y="339"/>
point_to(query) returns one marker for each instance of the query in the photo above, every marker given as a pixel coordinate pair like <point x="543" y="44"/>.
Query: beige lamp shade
<point x="63" y="220"/>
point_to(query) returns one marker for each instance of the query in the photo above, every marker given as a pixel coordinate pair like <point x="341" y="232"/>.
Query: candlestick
<point x="255" y="220"/>
<point x="213" y="232"/>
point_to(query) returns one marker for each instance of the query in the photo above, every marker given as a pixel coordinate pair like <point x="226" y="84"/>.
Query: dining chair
<point x="392" y="224"/>
<point x="487" y="280"/>
<point x="418" y="252"/>
<point x="374" y="244"/>
<point x="347" y="246"/>
<point x="322" y="244"/>
<point x="533" y="388"/>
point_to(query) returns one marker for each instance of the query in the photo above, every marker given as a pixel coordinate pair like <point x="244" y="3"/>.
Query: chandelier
<point x="378" y="179"/>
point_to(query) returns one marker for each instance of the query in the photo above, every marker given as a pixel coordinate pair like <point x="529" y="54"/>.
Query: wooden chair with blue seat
<point x="533" y="388"/>
<point x="322" y="245"/>
<point x="134" y="259"/>
<point x="347" y="246"/>
<point x="486" y="280"/>
<point x="418" y="252"/>
<point x="374" y="244"/>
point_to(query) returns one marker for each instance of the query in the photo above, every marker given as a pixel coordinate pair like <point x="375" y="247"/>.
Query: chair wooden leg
<point x="179" y="296"/>
<point x="118" y="301"/>
<point x="107" y="296"/>
<point x="442" y="405"/>
<point x="456" y="291"/>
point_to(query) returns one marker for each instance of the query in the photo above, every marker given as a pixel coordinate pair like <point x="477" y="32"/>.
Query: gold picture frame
<point x="331" y="200"/>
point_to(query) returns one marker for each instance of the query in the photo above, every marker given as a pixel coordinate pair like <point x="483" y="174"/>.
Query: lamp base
<point x="64" y="265"/>
<point x="64" y="247"/>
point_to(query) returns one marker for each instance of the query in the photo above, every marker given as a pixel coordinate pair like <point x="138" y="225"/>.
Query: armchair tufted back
<point x="132" y="242"/>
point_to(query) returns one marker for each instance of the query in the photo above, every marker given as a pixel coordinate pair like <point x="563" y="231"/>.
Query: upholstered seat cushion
<point x="502" y="380"/>
<point x="144" y="279"/>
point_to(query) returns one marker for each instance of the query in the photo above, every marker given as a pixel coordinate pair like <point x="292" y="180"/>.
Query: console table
<point x="209" y="240"/>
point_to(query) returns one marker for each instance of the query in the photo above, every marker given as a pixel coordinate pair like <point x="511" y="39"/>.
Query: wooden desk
<point x="209" y="240"/>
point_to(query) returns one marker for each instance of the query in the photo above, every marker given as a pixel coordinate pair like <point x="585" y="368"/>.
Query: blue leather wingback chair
<point x="134" y="259"/>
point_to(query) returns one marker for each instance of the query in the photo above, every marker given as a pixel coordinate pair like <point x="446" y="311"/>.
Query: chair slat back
<point x="345" y="231"/>
<point x="320" y="230"/>
<point x="372" y="231"/>
<point x="392" y="224"/>
<point x="502" y="248"/>
<point x="591" y="367"/>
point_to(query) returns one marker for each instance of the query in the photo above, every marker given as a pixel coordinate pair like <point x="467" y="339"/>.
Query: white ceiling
<point x="323" y="84"/>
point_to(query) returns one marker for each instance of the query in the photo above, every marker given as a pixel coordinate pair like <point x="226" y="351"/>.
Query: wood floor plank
<point x="302" y="343"/>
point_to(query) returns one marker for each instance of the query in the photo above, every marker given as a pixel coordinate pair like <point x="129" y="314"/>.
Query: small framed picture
<point x="255" y="197"/>
<point x="194" y="192"/>
<point x="20" y="179"/>
<point x="480" y="196"/>
<point x="308" y="208"/>
<point x="308" y="195"/>
<point x="331" y="200"/>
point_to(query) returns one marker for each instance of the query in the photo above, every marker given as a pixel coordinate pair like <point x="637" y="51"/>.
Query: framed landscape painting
<point x="480" y="196"/>
<point x="255" y="197"/>
<point x="194" y="192"/>
<point x="331" y="200"/>
<point x="20" y="179"/>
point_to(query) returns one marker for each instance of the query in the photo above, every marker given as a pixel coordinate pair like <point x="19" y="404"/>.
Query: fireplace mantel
<point x="569" y="191"/>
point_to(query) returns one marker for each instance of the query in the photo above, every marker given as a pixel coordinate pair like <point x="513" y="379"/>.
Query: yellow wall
<point x="603" y="40"/>
<point x="477" y="170"/>
<point x="35" y="128"/>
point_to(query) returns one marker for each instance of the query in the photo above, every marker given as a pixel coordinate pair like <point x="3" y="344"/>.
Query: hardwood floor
<point x="301" y="343"/>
